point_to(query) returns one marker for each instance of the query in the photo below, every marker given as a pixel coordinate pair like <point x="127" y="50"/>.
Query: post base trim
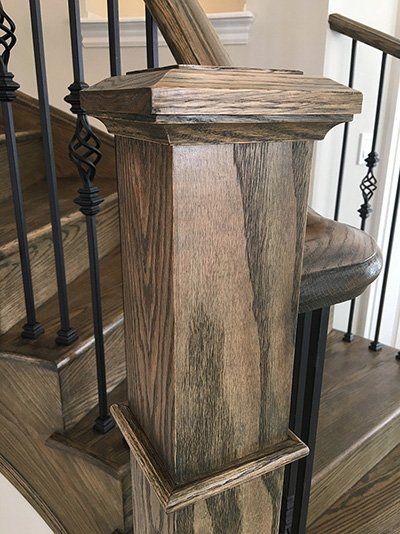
<point x="173" y="496"/>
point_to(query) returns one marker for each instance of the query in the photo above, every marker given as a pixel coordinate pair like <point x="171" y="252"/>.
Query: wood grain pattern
<point x="370" y="36"/>
<point x="202" y="93"/>
<point x="174" y="497"/>
<point x="372" y="505"/>
<point x="70" y="494"/>
<point x="340" y="262"/>
<point x="75" y="365"/>
<point x="188" y="258"/>
<point x="107" y="451"/>
<point x="30" y="160"/>
<point x="188" y="32"/>
<point x="26" y="113"/>
<point x="359" y="418"/>
<point x="41" y="244"/>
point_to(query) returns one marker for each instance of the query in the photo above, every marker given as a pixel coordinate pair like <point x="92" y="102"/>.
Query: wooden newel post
<point x="213" y="173"/>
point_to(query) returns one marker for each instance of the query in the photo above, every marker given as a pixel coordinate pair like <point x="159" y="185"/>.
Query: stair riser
<point x="31" y="164"/>
<point x="78" y="380"/>
<point x="334" y="482"/>
<point x="42" y="261"/>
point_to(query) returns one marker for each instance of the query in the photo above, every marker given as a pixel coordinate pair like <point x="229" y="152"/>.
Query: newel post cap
<point x="186" y="104"/>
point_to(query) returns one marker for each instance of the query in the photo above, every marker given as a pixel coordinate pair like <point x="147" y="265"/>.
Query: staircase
<point x="49" y="393"/>
<point x="79" y="480"/>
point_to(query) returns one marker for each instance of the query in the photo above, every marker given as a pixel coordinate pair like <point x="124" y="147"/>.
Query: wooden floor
<point x="359" y="419"/>
<point x="372" y="506"/>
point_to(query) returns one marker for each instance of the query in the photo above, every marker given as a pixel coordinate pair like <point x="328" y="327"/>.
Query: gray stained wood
<point x="71" y="494"/>
<point x="26" y="116"/>
<point x="37" y="213"/>
<point x="175" y="497"/>
<point x="369" y="441"/>
<point x="188" y="32"/>
<point x="184" y="269"/>
<point x="30" y="159"/>
<point x="365" y="34"/>
<point x="171" y="95"/>
<point x="107" y="451"/>
<point x="371" y="506"/>
<point x="359" y="418"/>
<point x="339" y="263"/>
<point x="75" y="365"/>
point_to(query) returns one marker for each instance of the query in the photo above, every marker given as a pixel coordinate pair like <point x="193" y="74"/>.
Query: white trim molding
<point x="232" y="28"/>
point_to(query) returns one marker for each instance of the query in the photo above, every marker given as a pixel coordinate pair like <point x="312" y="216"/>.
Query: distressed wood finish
<point x="211" y="283"/>
<point x="370" y="36"/>
<point x="174" y="497"/>
<point x="71" y="495"/>
<point x="340" y="262"/>
<point x="26" y="112"/>
<point x="75" y="365"/>
<point x="187" y="94"/>
<point x="188" y="32"/>
<point x="183" y="270"/>
<point x="371" y="506"/>
<point x="30" y="159"/>
<point x="359" y="419"/>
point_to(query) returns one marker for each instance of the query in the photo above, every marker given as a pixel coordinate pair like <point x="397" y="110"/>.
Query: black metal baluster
<point x="85" y="153"/>
<point x="375" y="345"/>
<point x="66" y="335"/>
<point x="151" y="41"/>
<point x="114" y="37"/>
<point x="345" y="135"/>
<point x="314" y="362"/>
<point x="369" y="183"/>
<point x="296" y="417"/>
<point x="32" y="329"/>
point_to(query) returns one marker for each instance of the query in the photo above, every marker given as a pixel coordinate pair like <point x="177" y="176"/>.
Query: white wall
<point x="16" y="515"/>
<point x="337" y="59"/>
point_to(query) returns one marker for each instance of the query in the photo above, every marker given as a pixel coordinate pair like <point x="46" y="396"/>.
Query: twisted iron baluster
<point x="84" y="150"/>
<point x="32" y="329"/>
<point x="368" y="187"/>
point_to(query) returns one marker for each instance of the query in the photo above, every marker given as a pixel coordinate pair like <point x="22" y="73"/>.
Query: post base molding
<point x="173" y="496"/>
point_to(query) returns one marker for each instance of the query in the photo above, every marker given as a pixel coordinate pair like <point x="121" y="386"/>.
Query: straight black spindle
<point x="375" y="345"/>
<point x="369" y="183"/>
<point x="85" y="153"/>
<point x="296" y="417"/>
<point x="151" y="41"/>
<point x="114" y="37"/>
<point x="32" y="329"/>
<point x="66" y="335"/>
<point x="309" y="409"/>
<point x="345" y="135"/>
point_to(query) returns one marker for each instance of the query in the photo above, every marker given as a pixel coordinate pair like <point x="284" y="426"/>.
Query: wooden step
<point x="359" y="420"/>
<point x="30" y="159"/>
<point x="359" y="425"/>
<point x="372" y="506"/>
<point x="41" y="245"/>
<point x="76" y="365"/>
<point x="107" y="451"/>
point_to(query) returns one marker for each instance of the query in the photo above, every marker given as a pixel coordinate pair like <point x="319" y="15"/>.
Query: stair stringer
<point x="71" y="494"/>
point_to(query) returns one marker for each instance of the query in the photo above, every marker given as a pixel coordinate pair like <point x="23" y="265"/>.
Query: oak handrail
<point x="188" y="32"/>
<point x="365" y="34"/>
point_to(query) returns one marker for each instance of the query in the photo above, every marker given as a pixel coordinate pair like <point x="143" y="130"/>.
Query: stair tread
<point x="371" y="505"/>
<point x="108" y="451"/>
<point x="23" y="135"/>
<point x="44" y="350"/>
<point x="361" y="390"/>
<point x="38" y="220"/>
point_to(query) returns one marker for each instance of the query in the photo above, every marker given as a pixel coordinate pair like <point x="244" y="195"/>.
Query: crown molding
<point x="232" y="28"/>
